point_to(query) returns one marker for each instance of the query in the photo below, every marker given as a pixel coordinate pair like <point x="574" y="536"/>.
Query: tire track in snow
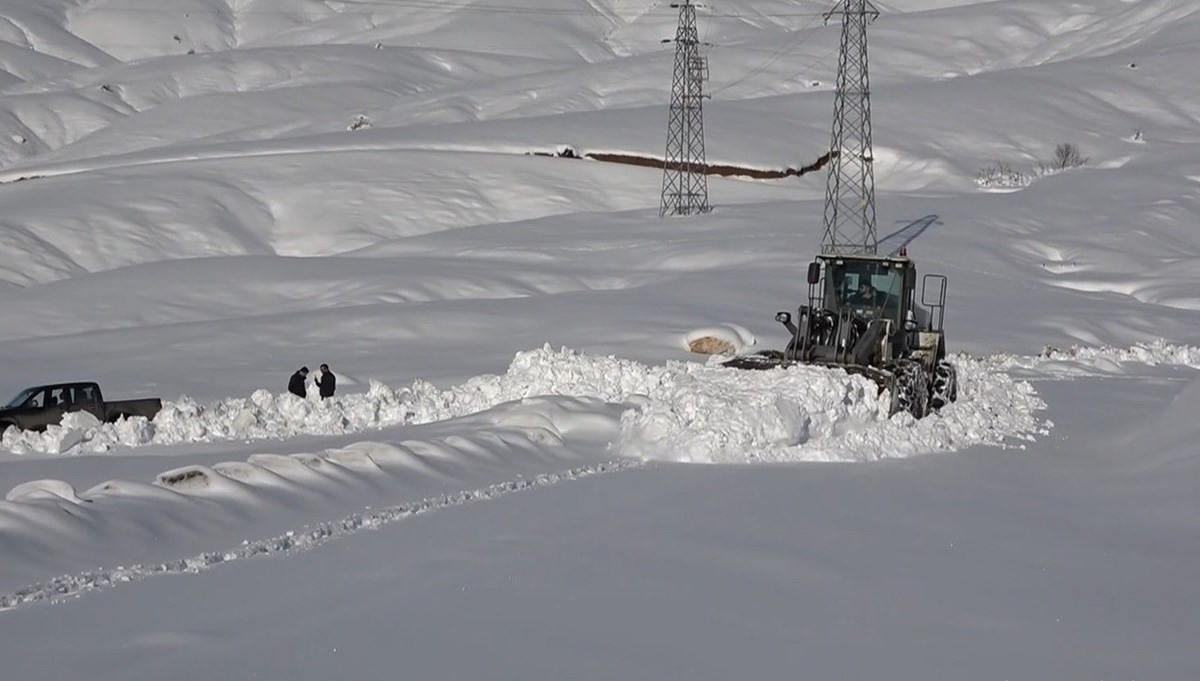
<point x="70" y="586"/>
<point x="677" y="413"/>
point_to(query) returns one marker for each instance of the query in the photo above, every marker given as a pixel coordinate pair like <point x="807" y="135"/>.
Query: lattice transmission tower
<point x="850" y="189"/>
<point x="685" y="182"/>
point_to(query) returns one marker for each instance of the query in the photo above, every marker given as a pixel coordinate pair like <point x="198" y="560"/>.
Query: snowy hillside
<point x="201" y="196"/>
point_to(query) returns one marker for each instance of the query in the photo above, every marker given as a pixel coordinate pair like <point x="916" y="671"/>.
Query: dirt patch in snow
<point x="719" y="169"/>
<point x="707" y="345"/>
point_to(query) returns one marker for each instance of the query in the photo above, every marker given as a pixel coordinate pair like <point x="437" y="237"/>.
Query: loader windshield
<point x="871" y="288"/>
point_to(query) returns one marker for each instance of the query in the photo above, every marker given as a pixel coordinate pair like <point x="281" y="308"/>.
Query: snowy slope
<point x="242" y="149"/>
<point x="201" y="196"/>
<point x="1067" y="559"/>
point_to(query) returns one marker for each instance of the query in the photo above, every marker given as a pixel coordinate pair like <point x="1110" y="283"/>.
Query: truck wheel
<point x="944" y="388"/>
<point x="910" y="388"/>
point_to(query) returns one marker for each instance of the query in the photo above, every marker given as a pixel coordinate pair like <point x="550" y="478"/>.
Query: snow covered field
<point x="201" y="196"/>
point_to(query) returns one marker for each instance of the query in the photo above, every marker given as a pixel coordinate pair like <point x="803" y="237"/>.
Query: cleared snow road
<point x="193" y="517"/>
<point x="679" y="411"/>
<point x="1042" y="563"/>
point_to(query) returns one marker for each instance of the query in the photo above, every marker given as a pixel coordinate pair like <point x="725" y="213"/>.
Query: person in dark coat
<point x="326" y="382"/>
<point x="296" y="383"/>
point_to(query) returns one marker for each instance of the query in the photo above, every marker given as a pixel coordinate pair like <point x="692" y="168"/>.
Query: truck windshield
<point x="21" y="398"/>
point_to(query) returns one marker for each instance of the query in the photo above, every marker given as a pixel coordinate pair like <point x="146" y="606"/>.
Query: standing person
<point x="296" y="383"/>
<point x="327" y="382"/>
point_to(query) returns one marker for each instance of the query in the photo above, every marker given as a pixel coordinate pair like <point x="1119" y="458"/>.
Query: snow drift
<point x="677" y="411"/>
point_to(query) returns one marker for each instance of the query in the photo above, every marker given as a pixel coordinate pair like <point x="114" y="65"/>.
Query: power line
<point x="804" y="69"/>
<point x="466" y="45"/>
<point x="799" y="36"/>
<point x="584" y="11"/>
<point x="446" y="6"/>
<point x="707" y="26"/>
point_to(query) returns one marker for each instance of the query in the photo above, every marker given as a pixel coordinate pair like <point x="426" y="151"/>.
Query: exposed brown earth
<point x="707" y="345"/>
<point x="723" y="170"/>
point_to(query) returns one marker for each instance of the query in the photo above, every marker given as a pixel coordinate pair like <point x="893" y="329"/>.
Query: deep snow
<point x="187" y="211"/>
<point x="1071" y="560"/>
<point x="678" y="411"/>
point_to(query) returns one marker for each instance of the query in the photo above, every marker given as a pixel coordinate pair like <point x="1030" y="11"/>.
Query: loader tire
<point x="910" y="388"/>
<point x="944" y="387"/>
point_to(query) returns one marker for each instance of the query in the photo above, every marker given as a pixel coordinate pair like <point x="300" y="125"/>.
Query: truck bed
<point x="148" y="408"/>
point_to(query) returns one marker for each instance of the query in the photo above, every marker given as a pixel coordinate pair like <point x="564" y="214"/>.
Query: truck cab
<point x="44" y="405"/>
<point x="37" y="407"/>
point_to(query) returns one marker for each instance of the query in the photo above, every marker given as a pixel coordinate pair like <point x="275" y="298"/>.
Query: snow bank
<point x="47" y="527"/>
<point x="678" y="411"/>
<point x="267" y="416"/>
<point x="65" y="587"/>
<point x="710" y="414"/>
<point x="1081" y="360"/>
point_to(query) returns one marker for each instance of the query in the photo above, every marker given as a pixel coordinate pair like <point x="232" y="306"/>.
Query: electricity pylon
<point x="685" y="182"/>
<point x="850" y="189"/>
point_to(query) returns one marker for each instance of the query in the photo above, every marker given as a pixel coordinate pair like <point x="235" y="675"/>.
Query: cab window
<point x="85" y="394"/>
<point x="36" y="400"/>
<point x="872" y="289"/>
<point x="59" y="396"/>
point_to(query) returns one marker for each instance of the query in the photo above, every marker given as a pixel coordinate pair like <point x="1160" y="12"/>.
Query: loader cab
<point x="870" y="287"/>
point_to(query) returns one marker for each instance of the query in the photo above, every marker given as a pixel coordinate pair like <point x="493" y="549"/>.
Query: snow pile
<point x="261" y="416"/>
<point x="265" y="415"/>
<point x="1083" y="360"/>
<point x="678" y="411"/>
<point x="993" y="408"/>
<point x="710" y="414"/>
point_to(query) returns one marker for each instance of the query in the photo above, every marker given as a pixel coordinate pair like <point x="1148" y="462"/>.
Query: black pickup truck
<point x="38" y="407"/>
